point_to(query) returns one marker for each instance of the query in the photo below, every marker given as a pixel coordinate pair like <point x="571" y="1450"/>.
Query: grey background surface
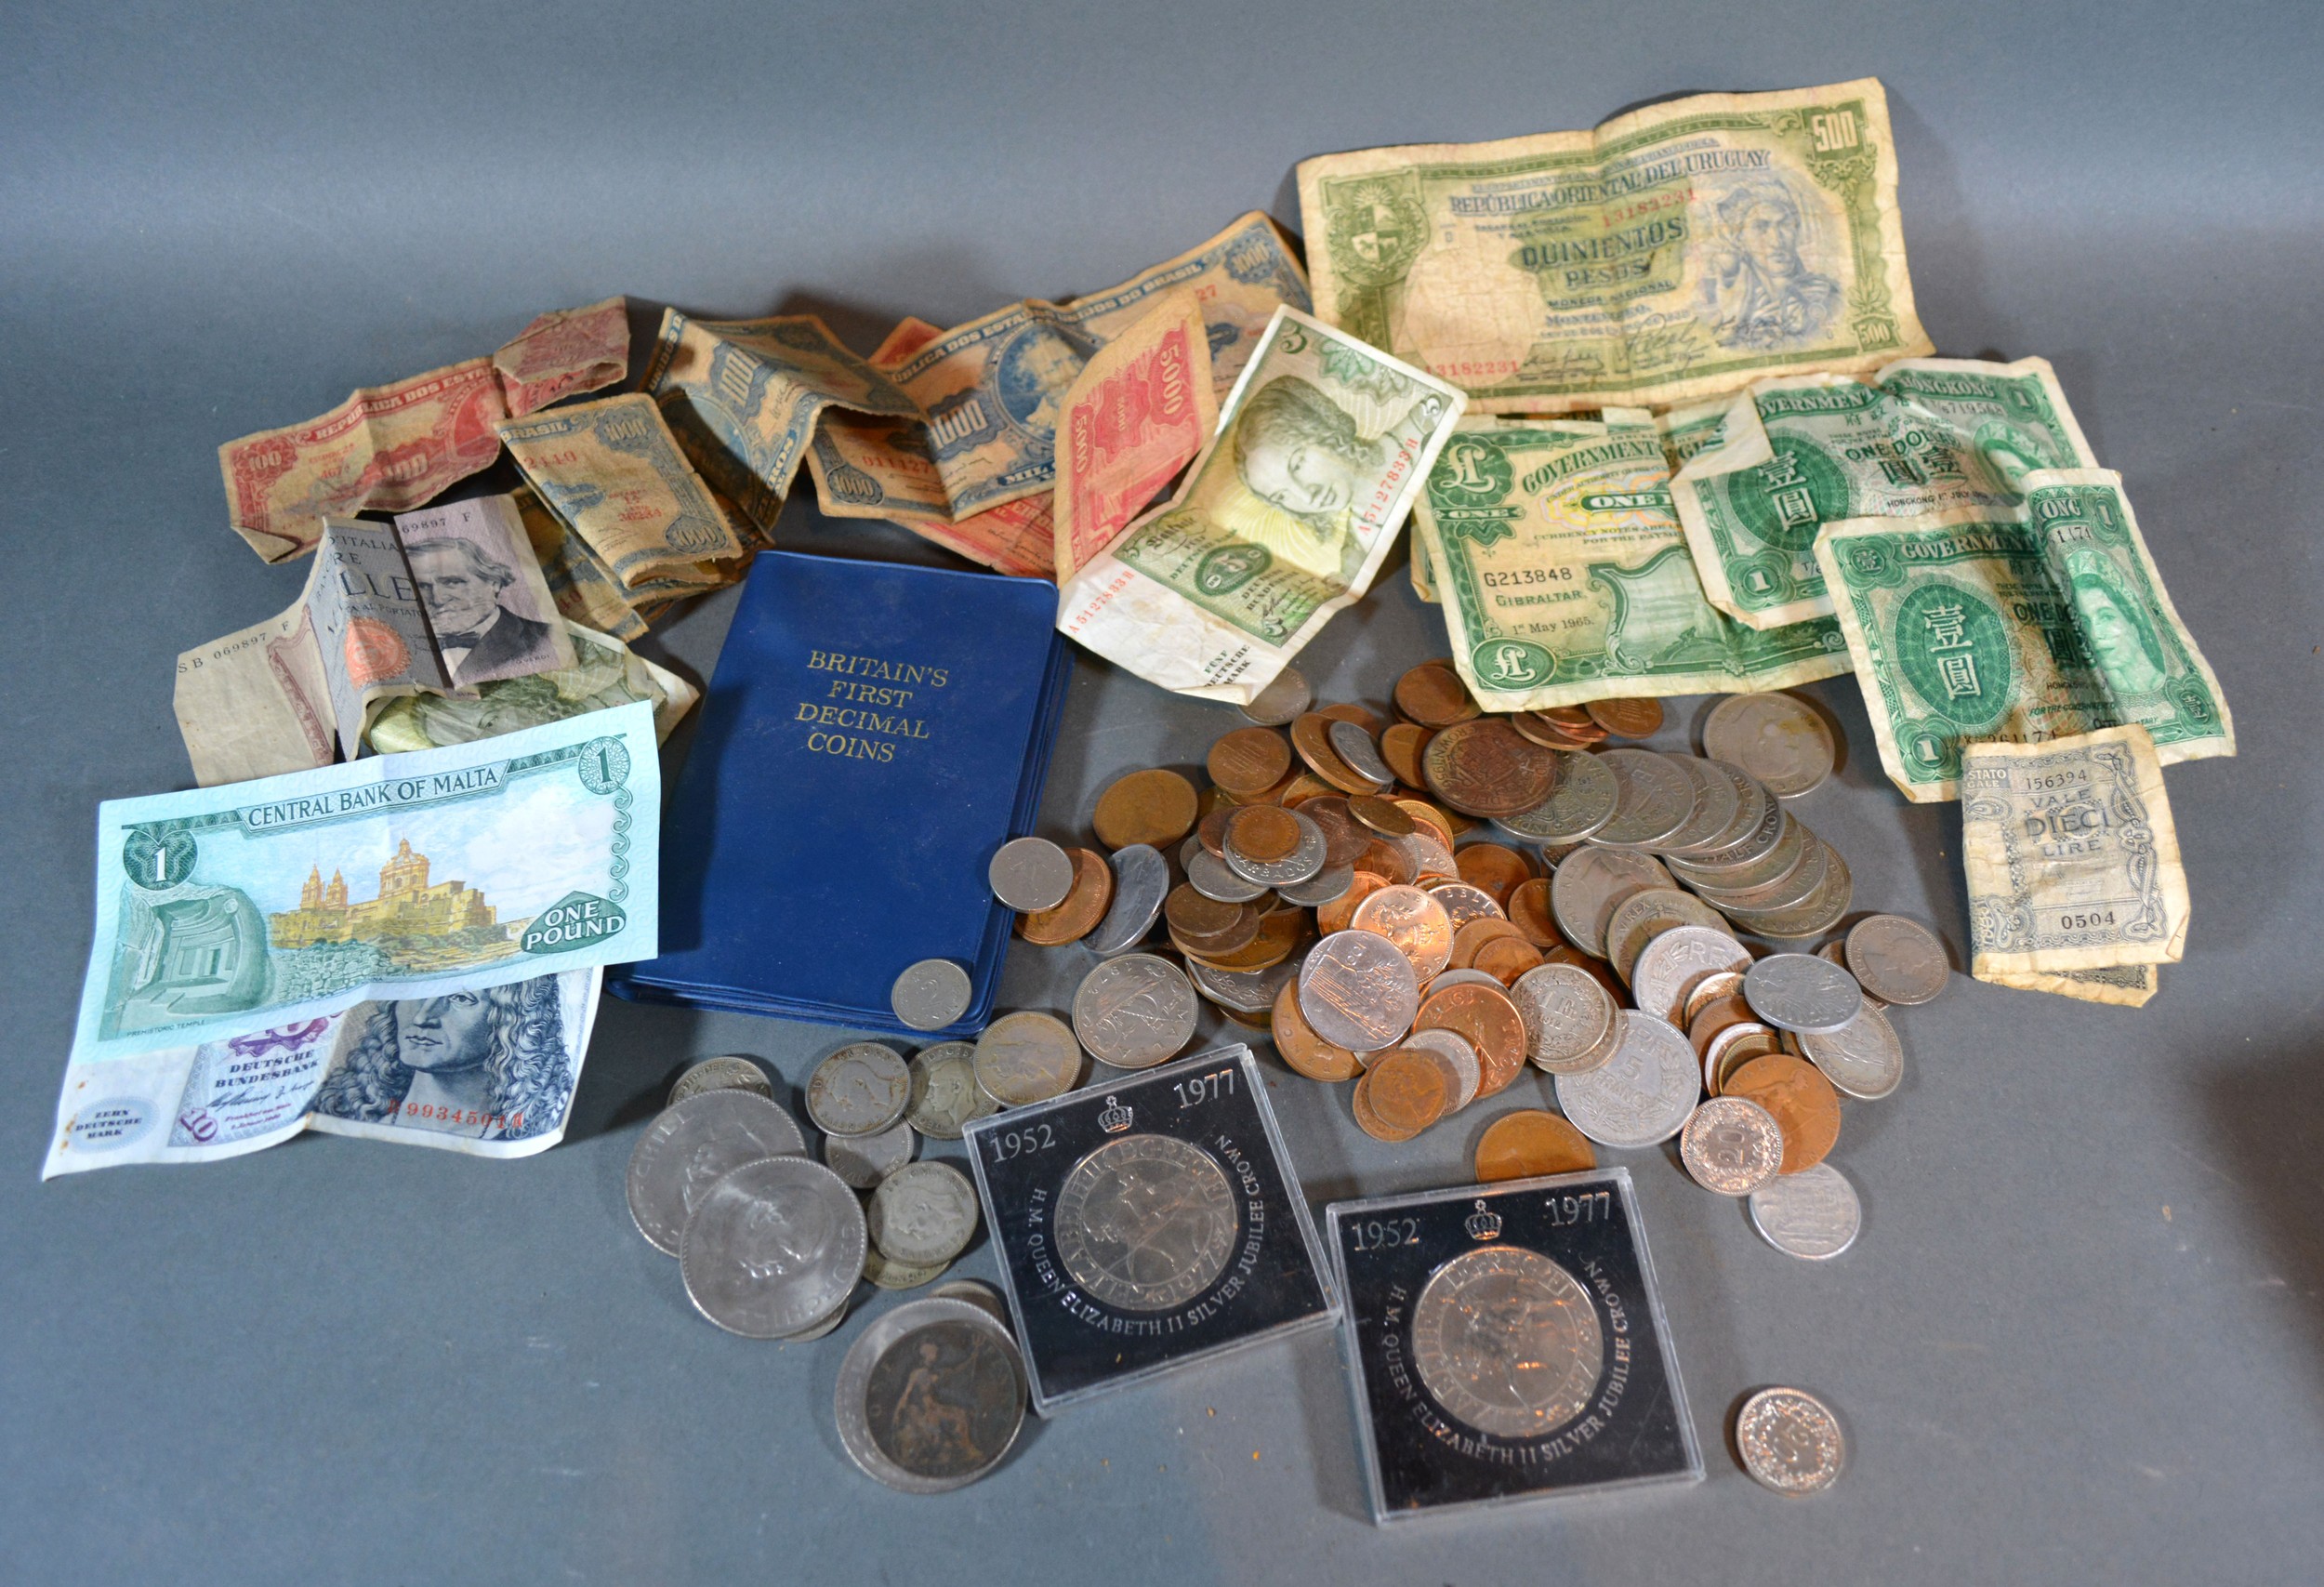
<point x="2082" y="1337"/>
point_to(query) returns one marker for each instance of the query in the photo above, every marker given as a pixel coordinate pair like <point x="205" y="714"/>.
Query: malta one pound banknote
<point x="2049" y="622"/>
<point x="1676" y="253"/>
<point x="1282" y="520"/>
<point x="1564" y="577"/>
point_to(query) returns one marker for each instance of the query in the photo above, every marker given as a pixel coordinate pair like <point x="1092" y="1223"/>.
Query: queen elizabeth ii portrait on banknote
<point x="1759" y="286"/>
<point x="2122" y="643"/>
<point x="490" y="1065"/>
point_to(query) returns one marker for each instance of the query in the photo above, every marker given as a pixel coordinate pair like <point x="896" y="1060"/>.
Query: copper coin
<point x="1401" y="744"/>
<point x="1626" y="719"/>
<point x="1349" y="711"/>
<point x="1092" y="894"/>
<point x="1207" y="926"/>
<point x="1716" y="1014"/>
<point x="1279" y="930"/>
<point x="1497" y="869"/>
<point x="1426" y="817"/>
<point x="1304" y="784"/>
<point x="1407" y="1090"/>
<point x="1387" y="861"/>
<point x="1155" y="807"/>
<point x="1732" y="1048"/>
<point x="1383" y="815"/>
<point x="1805" y="1107"/>
<point x="1471" y="935"/>
<point x="1211" y="829"/>
<point x="1505" y="958"/>
<point x="1344" y="836"/>
<point x="1340" y="914"/>
<point x="1571" y="717"/>
<point x="1537" y="728"/>
<point x="1529" y="907"/>
<point x="1369" y="1122"/>
<point x="1414" y="922"/>
<point x="1530" y="1142"/>
<point x="1490" y="1022"/>
<point x="1311" y="736"/>
<point x="1249" y="760"/>
<point x="1434" y="696"/>
<point x="1483" y="768"/>
<point x="1262" y="833"/>
<point x="1300" y="1047"/>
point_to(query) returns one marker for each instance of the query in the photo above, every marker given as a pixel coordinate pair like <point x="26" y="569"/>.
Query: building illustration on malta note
<point x="408" y="911"/>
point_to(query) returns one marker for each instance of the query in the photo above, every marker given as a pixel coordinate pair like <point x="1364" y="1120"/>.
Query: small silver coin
<point x="1791" y="1442"/>
<point x="1862" y="1058"/>
<point x="1456" y="1051"/>
<point x="1507" y="1342"/>
<point x="681" y="1153"/>
<point x="1211" y="877"/>
<point x="1769" y="878"/>
<point x="1135" y="1011"/>
<point x="1775" y="737"/>
<point x="773" y="1247"/>
<point x="814" y="1331"/>
<point x="1897" y="960"/>
<point x="931" y="1396"/>
<point x="1591" y="883"/>
<point x="1142" y="880"/>
<point x="1567" y="1015"/>
<point x="1030" y="874"/>
<point x="1725" y="861"/>
<point x="1244" y="991"/>
<point x="1643" y="1094"/>
<point x="1813" y="1214"/>
<point x="1027" y="1057"/>
<point x="1283" y="701"/>
<point x="1646" y="915"/>
<point x="733" y="1072"/>
<point x="1654" y="798"/>
<point x="1358" y="991"/>
<point x="860" y="1089"/>
<point x="1813" y="916"/>
<point x="1146" y="1223"/>
<point x="1355" y="746"/>
<point x="1303" y="863"/>
<point x="1798" y="991"/>
<point x="1718" y="795"/>
<point x="1674" y="963"/>
<point x="945" y="1093"/>
<point x="923" y="1212"/>
<point x="1582" y="805"/>
<point x="1445" y="978"/>
<point x="929" y="994"/>
<point x="1752" y="802"/>
<point x="1326" y="885"/>
<point x="1731" y="1145"/>
<point x="977" y="1293"/>
<point x="1463" y="901"/>
<point x="885" y="1273"/>
<point x="865" y="1160"/>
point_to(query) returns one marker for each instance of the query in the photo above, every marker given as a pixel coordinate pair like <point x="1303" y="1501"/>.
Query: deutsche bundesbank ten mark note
<point x="1282" y="521"/>
<point x="1564" y="577"/>
<point x="2072" y="857"/>
<point x="1678" y="252"/>
<point x="2045" y="623"/>
<point x="614" y="473"/>
<point x="1139" y="411"/>
<point x="1799" y="452"/>
<point x="488" y="1073"/>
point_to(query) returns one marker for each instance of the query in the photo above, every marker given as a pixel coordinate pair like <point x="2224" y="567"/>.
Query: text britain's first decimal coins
<point x="945" y="1092"/>
<point x="1142" y="879"/>
<point x="1027" y="1057"/>
<point x="929" y="994"/>
<point x="1776" y="738"/>
<point x="1790" y="1441"/>
<point x="1145" y="1224"/>
<point x="860" y="1089"/>
<point x="1813" y="1214"/>
<point x="1030" y="874"/>
<point x="684" y="1151"/>
<point x="732" y="1072"/>
<point x="1731" y="1146"/>
<point x="1897" y="960"/>
<point x="773" y="1248"/>
<point x="923" y="1213"/>
<point x="1507" y="1342"/>
<point x="1640" y="1096"/>
<point x="1798" y="991"/>
<point x="931" y="1396"/>
<point x="1135" y="1011"/>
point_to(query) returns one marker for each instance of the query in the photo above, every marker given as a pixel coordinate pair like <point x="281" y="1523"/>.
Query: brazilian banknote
<point x="1798" y="453"/>
<point x="2072" y="857"/>
<point x="1281" y="521"/>
<point x="2044" y="624"/>
<point x="1676" y="253"/>
<point x="1565" y="577"/>
<point x="614" y="473"/>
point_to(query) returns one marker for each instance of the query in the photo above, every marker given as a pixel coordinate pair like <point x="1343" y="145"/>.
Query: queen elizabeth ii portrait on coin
<point x="490" y="1065"/>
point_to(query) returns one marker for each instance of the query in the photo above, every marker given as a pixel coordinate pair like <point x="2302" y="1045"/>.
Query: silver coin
<point x="1445" y="978"/>
<point x="1142" y="880"/>
<point x="885" y="1273"/>
<point x="1135" y="1011"/>
<point x="1790" y="1441"/>
<point x="1424" y="855"/>
<point x="1798" y="991"/>
<point x="1674" y="963"/>
<point x="1463" y="901"/>
<point x="1329" y="883"/>
<point x="865" y="1160"/>
<point x="1582" y="805"/>
<point x="773" y="1247"/>
<point x="1358" y="991"/>
<point x="1356" y="748"/>
<point x="1897" y="960"/>
<point x="1283" y="701"/>
<point x="1654" y="798"/>
<point x="830" y="1321"/>
<point x="1787" y="891"/>
<point x="1027" y="1057"/>
<point x="1592" y="884"/>
<point x="1640" y="1096"/>
<point x="1719" y="862"/>
<point x="1029" y="874"/>
<point x="977" y="1293"/>
<point x="1773" y="736"/>
<point x="684" y="1151"/>
<point x="1862" y="1058"/>
<point x="1770" y="867"/>
<point x="931" y="1396"/>
<point x="923" y="1212"/>
<point x="946" y="1096"/>
<point x="1817" y="914"/>
<point x="1731" y="1145"/>
<point x="1244" y="991"/>
<point x="1146" y="1223"/>
<point x="1302" y="864"/>
<point x="1813" y="1214"/>
<point x="733" y="1072"/>
<point x="1718" y="795"/>
<point x="860" y="1089"/>
<point x="1567" y="1015"/>
<point x="1456" y="1051"/>
<point x="1507" y="1341"/>
<point x="1211" y="877"/>
<point x="1645" y="916"/>
<point x="929" y="994"/>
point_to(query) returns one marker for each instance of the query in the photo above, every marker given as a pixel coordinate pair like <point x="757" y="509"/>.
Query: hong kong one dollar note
<point x="1281" y="521"/>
